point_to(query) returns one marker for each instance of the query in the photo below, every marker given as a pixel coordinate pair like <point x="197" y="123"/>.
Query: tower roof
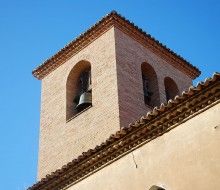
<point x="107" y="22"/>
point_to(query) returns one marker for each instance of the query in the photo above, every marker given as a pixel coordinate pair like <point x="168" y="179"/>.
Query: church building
<point x="119" y="112"/>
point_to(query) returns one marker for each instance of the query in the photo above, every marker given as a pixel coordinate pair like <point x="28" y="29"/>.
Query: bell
<point x="84" y="101"/>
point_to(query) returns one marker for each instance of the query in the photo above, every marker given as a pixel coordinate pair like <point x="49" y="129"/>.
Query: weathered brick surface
<point x="117" y="97"/>
<point x="129" y="56"/>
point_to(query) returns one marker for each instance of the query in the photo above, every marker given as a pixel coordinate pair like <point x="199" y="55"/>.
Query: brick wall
<point x="117" y="97"/>
<point x="62" y="141"/>
<point x="130" y="55"/>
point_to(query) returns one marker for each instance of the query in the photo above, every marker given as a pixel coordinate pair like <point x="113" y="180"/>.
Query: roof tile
<point x="112" y="19"/>
<point x="150" y="130"/>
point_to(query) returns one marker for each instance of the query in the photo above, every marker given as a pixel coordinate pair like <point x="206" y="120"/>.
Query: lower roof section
<point x="161" y="120"/>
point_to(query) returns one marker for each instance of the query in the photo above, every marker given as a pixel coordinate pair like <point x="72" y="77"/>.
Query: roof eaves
<point x="154" y="124"/>
<point x="88" y="36"/>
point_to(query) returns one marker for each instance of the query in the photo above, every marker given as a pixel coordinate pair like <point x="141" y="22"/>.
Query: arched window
<point x="171" y="88"/>
<point x="154" y="187"/>
<point x="150" y="85"/>
<point x="78" y="89"/>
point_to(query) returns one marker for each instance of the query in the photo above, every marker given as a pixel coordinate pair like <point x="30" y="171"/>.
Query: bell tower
<point x="106" y="78"/>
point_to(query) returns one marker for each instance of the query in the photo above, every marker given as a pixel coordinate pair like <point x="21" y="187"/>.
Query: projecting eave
<point x="114" y="20"/>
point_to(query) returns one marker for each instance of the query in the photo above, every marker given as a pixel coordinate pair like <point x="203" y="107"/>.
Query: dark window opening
<point x="147" y="92"/>
<point x="78" y="89"/>
<point x="150" y="85"/>
<point x="171" y="89"/>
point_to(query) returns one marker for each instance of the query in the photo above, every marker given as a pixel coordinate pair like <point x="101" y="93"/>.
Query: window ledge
<point x="78" y="114"/>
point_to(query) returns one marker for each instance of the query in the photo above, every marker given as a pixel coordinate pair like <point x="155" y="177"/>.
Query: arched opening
<point x="154" y="187"/>
<point x="78" y="89"/>
<point x="171" y="88"/>
<point x="150" y="85"/>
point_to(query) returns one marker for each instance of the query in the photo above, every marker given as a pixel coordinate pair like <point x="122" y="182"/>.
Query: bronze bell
<point x="84" y="101"/>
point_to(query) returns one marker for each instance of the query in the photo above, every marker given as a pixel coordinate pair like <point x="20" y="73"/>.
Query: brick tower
<point x="125" y="72"/>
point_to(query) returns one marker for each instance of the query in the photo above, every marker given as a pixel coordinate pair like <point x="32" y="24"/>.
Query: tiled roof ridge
<point x="100" y="27"/>
<point x="154" y="124"/>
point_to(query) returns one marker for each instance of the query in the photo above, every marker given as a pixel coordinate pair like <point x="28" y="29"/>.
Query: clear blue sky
<point x="32" y="31"/>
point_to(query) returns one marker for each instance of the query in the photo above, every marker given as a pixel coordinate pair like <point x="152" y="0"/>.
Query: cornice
<point x="154" y="124"/>
<point x="106" y="23"/>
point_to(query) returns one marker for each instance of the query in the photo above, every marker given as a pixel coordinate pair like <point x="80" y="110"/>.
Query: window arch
<point x="171" y="88"/>
<point x="150" y="85"/>
<point x="78" y="88"/>
<point x="154" y="187"/>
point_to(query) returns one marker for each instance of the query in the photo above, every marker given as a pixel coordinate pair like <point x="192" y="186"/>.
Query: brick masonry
<point x="61" y="141"/>
<point x="129" y="57"/>
<point x="118" y="99"/>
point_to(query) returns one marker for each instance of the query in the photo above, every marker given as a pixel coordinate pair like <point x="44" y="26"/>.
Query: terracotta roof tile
<point x="114" y="19"/>
<point x="148" y="127"/>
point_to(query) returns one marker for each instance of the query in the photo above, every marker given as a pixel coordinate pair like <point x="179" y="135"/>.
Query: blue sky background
<point x="32" y="31"/>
